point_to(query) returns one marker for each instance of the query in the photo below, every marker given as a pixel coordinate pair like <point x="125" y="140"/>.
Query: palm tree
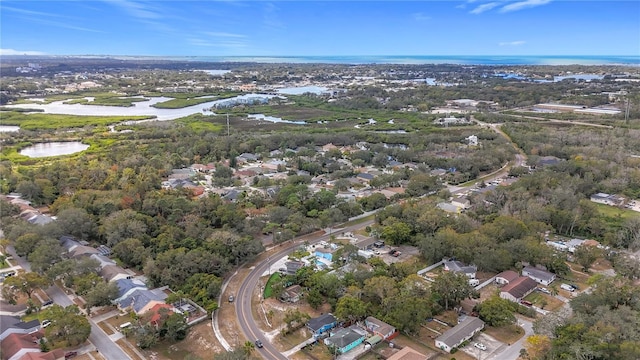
<point x="248" y="347"/>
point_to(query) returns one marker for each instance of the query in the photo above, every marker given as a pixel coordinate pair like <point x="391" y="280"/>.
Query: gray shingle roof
<point x="461" y="331"/>
<point x="316" y="323"/>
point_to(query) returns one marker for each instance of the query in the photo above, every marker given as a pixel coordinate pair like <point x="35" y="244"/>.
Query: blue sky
<point x="314" y="28"/>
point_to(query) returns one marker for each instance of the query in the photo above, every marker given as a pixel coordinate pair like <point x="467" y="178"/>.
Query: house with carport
<point x="322" y="324"/>
<point x="13" y="325"/>
<point x="506" y="277"/>
<point x="458" y="267"/>
<point x="460" y="333"/>
<point x="541" y="276"/>
<point x="345" y="339"/>
<point x="380" y="328"/>
<point x="517" y="289"/>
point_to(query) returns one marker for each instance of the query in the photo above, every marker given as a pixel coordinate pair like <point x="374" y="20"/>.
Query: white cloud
<point x="421" y="17"/>
<point x="484" y="7"/>
<point x="224" y="34"/>
<point x="216" y="43"/>
<point x="523" y="5"/>
<point x="137" y="9"/>
<point x="512" y="43"/>
<point x="6" y="52"/>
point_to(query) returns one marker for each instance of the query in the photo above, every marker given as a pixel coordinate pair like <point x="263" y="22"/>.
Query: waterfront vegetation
<point x="110" y="100"/>
<point x="58" y="121"/>
<point x="181" y="100"/>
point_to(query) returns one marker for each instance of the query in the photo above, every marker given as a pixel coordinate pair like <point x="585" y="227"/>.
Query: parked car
<point x="567" y="287"/>
<point x="376" y="252"/>
<point x="45" y="323"/>
<point x="70" y="354"/>
<point x="480" y="346"/>
<point x="392" y="251"/>
<point x="231" y="298"/>
<point x="259" y="344"/>
<point x="543" y="290"/>
<point x="47" y="303"/>
<point x="526" y="303"/>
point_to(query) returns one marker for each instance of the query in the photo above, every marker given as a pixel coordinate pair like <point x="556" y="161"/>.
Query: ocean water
<point x="397" y="59"/>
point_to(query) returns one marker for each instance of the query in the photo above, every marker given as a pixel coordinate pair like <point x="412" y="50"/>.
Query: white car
<point x="480" y="346"/>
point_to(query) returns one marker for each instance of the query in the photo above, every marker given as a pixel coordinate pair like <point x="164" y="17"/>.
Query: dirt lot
<point x="407" y="252"/>
<point x="200" y="344"/>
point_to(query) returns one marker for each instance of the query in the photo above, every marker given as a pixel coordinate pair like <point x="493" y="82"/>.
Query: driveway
<point x="492" y="345"/>
<point x="512" y="352"/>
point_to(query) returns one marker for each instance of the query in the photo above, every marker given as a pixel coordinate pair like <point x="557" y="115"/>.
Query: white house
<point x="607" y="199"/>
<point x="458" y="267"/>
<point x="459" y="333"/>
<point x="539" y="275"/>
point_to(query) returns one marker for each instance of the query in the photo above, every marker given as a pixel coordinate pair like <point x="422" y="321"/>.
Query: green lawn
<point x="58" y="121"/>
<point x="615" y="212"/>
<point x="268" y="292"/>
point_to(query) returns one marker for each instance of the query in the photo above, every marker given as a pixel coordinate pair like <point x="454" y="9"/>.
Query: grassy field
<point x="200" y="123"/>
<point x="506" y="334"/>
<point x="108" y="101"/>
<point x="181" y="103"/>
<point x="58" y="121"/>
<point x="268" y="292"/>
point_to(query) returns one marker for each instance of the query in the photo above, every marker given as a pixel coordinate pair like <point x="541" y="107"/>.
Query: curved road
<point x="243" y="306"/>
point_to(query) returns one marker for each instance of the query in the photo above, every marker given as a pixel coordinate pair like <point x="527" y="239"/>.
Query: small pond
<point x="54" y="149"/>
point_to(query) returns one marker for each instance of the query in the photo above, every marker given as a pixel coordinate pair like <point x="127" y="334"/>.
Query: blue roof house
<point x="322" y="324"/>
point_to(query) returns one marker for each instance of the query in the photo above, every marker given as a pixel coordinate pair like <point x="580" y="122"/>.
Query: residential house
<point x="127" y="286"/>
<point x="102" y="260"/>
<point x="458" y="267"/>
<point x="14" y="346"/>
<point x="346" y="339"/>
<point x="292" y="267"/>
<point x="113" y="273"/>
<point x="13" y="325"/>
<point x="140" y="301"/>
<point x="156" y="315"/>
<point x="328" y="147"/>
<point x="366" y="243"/>
<point x="81" y="251"/>
<point x="461" y="202"/>
<point x="542" y="276"/>
<point x="322" y="324"/>
<point x="517" y="289"/>
<point x="407" y="353"/>
<point x="548" y="160"/>
<point x="292" y="294"/>
<point x="460" y="333"/>
<point x="448" y="207"/>
<point x="607" y="199"/>
<point x="325" y="253"/>
<point x="247" y="157"/>
<point x="506" y="277"/>
<point x="379" y="327"/>
<point x="57" y="354"/>
<point x="365" y="177"/>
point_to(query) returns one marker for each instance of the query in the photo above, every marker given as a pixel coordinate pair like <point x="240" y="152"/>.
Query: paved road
<point x="512" y="352"/>
<point x="98" y="337"/>
<point x="102" y="342"/>
<point x="245" y="292"/>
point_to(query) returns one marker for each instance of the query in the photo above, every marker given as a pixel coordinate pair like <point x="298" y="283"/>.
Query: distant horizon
<point x="506" y="60"/>
<point x="245" y="28"/>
